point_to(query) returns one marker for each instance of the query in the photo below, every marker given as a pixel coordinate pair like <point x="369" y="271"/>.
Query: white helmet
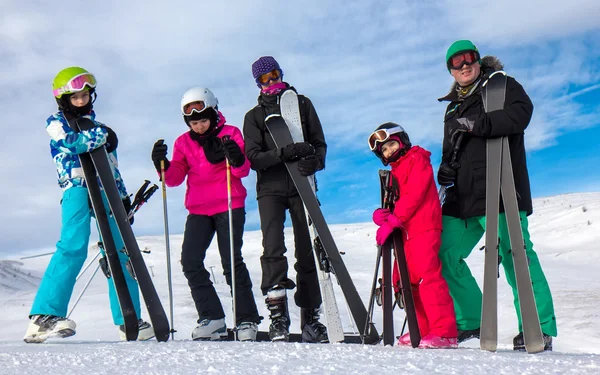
<point x="198" y="94"/>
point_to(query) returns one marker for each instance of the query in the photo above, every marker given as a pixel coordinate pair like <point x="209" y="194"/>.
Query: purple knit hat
<point x="264" y="65"/>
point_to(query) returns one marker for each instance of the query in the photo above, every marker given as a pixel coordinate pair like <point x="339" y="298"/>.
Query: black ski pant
<point x="199" y="232"/>
<point x="274" y="264"/>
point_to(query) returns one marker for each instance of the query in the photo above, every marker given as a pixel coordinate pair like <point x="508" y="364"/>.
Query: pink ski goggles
<point x="76" y="84"/>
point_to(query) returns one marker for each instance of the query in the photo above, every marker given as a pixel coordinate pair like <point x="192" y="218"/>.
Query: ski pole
<point x="231" y="250"/>
<point x="37" y="256"/>
<point x="404" y="325"/>
<point x="168" y="246"/>
<point x="88" y="282"/>
<point x="372" y="297"/>
<point x="453" y="164"/>
<point x="141" y="197"/>
<point x="87" y="266"/>
<point x="84" y="288"/>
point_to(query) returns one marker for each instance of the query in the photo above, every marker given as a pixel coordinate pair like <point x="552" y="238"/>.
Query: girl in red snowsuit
<point x="418" y="214"/>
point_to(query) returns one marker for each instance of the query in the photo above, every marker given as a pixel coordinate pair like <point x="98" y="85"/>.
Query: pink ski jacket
<point x="418" y="207"/>
<point x="206" y="192"/>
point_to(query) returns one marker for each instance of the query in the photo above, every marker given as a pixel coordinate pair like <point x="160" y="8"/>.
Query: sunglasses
<point x="266" y="78"/>
<point x="76" y="84"/>
<point x="381" y="136"/>
<point x="192" y="107"/>
<point x="463" y="58"/>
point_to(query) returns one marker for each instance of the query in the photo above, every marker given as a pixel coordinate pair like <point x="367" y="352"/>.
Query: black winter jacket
<point x="467" y="198"/>
<point x="265" y="157"/>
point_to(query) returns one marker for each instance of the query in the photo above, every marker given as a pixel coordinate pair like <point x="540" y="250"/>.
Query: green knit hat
<point x="460" y="46"/>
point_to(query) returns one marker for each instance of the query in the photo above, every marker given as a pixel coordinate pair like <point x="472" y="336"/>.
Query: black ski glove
<point x="127" y="205"/>
<point x="233" y="153"/>
<point x="446" y="175"/>
<point x="159" y="152"/>
<point x="461" y="125"/>
<point x="308" y="165"/>
<point x="297" y="150"/>
<point x="111" y="141"/>
<point x="213" y="149"/>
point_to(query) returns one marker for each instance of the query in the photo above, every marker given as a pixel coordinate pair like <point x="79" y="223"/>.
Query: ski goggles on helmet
<point x="266" y="78"/>
<point x="76" y="84"/>
<point x="192" y="107"/>
<point x="463" y="58"/>
<point x="382" y="136"/>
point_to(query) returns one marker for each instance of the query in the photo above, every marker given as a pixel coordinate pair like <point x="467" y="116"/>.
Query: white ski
<point x="290" y="111"/>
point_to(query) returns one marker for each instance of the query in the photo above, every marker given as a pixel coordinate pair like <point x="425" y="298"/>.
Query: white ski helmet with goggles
<point x="197" y="99"/>
<point x="382" y="134"/>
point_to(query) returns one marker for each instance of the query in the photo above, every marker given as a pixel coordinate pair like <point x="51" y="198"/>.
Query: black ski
<point x="387" y="300"/>
<point x="118" y="278"/>
<point x="281" y="136"/>
<point x="398" y="246"/>
<point x="263" y="336"/>
<point x="386" y="264"/>
<point x="155" y="309"/>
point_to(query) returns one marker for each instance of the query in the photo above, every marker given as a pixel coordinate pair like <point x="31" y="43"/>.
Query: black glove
<point x="297" y="150"/>
<point x="127" y="205"/>
<point x="446" y="175"/>
<point x="233" y="153"/>
<point x="213" y="149"/>
<point x="308" y="165"/>
<point x="461" y="125"/>
<point x="111" y="141"/>
<point x="159" y="152"/>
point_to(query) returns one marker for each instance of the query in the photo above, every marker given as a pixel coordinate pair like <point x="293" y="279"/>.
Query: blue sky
<point x="361" y="63"/>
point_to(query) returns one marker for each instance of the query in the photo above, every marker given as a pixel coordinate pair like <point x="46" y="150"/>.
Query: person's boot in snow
<point x="276" y="300"/>
<point x="464" y="335"/>
<point x="145" y="331"/>
<point x="404" y="340"/>
<point x="519" y="342"/>
<point x="313" y="330"/>
<point x="432" y="341"/>
<point x="208" y="329"/>
<point x="247" y="331"/>
<point x="42" y="327"/>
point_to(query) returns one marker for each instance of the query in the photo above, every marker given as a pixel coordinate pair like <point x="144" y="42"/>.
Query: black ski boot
<point x="519" y="342"/>
<point x="276" y="300"/>
<point x="313" y="330"/>
<point x="464" y="335"/>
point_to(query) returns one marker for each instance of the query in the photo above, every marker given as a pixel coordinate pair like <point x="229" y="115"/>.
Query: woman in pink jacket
<point x="199" y="155"/>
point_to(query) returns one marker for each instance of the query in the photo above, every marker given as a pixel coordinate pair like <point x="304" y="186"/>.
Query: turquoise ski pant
<point x="459" y="237"/>
<point x="57" y="285"/>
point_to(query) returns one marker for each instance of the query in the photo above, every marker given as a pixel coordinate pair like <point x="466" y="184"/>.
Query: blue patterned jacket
<point x="66" y="145"/>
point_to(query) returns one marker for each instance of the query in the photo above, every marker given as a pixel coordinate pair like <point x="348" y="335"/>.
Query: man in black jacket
<point x="463" y="211"/>
<point x="276" y="193"/>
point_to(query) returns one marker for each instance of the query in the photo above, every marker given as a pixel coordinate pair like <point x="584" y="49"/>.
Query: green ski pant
<point x="459" y="237"/>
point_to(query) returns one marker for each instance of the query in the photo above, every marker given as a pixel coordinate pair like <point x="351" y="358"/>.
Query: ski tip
<point x="272" y="116"/>
<point x="501" y="72"/>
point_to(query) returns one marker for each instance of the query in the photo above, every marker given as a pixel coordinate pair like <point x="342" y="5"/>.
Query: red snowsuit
<point x="418" y="208"/>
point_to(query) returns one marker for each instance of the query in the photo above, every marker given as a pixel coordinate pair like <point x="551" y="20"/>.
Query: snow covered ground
<point x="565" y="230"/>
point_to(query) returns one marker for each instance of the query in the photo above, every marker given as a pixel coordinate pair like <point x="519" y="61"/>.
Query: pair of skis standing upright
<point x="97" y="170"/>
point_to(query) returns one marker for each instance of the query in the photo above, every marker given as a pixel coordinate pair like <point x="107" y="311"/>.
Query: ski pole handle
<point x="456" y="149"/>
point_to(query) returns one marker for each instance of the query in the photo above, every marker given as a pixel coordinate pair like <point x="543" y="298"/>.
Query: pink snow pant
<point x="433" y="304"/>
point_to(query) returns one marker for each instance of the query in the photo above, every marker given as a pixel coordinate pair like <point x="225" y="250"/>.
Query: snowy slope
<point x="565" y="230"/>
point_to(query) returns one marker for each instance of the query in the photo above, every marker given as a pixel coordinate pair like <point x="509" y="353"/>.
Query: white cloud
<point x="361" y="64"/>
